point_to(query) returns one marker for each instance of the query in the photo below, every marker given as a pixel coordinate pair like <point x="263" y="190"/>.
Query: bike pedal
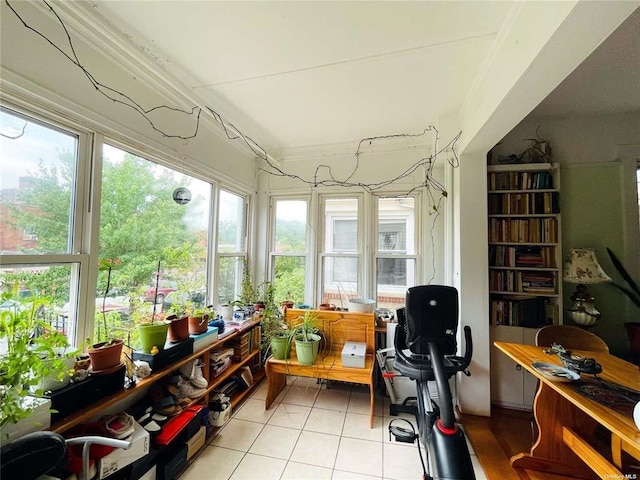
<point x="402" y="434"/>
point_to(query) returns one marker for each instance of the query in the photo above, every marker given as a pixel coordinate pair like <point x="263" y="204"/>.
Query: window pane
<point x="151" y="240"/>
<point x="394" y="276"/>
<point x="289" y="275"/>
<point x="396" y="225"/>
<point x="340" y="279"/>
<point x="51" y="283"/>
<point x="231" y="223"/>
<point x="341" y="225"/>
<point x="229" y="278"/>
<point x="37" y="174"/>
<point x="291" y="226"/>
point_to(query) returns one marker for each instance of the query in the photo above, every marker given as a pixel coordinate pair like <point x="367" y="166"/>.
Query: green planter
<point x="280" y="348"/>
<point x="153" y="335"/>
<point x="307" y="351"/>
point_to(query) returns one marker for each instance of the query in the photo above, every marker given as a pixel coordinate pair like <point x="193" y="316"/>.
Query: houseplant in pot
<point x="106" y="353"/>
<point x="199" y="319"/>
<point x="307" y="336"/>
<point x="30" y="353"/>
<point x="276" y="337"/>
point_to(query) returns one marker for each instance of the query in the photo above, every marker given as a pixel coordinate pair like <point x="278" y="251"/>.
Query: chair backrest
<point x="431" y="316"/>
<point x="571" y="338"/>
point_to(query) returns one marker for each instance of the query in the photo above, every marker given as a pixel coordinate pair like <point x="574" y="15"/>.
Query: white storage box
<point x="218" y="419"/>
<point x="120" y="458"/>
<point x="353" y="354"/>
<point x="38" y="419"/>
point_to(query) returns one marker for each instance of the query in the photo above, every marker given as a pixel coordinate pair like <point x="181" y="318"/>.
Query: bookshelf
<point x="525" y="267"/>
<point x="524" y="244"/>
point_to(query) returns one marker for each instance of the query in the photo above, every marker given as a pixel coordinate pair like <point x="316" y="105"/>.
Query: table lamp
<point x="582" y="268"/>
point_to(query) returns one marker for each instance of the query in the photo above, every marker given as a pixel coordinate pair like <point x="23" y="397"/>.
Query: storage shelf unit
<point x="525" y="268"/>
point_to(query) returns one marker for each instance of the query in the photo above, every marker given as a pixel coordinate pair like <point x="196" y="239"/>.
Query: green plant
<point x="106" y="265"/>
<point x="31" y="354"/>
<point x="307" y="326"/>
<point x="631" y="290"/>
<point x="247" y="291"/>
<point x="272" y="323"/>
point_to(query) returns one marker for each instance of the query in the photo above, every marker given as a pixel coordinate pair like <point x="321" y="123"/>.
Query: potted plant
<point x="306" y="335"/>
<point x="199" y="319"/>
<point x="632" y="291"/>
<point x="106" y="353"/>
<point x="276" y="336"/>
<point x="178" y="319"/>
<point x="152" y="330"/>
<point x="30" y="353"/>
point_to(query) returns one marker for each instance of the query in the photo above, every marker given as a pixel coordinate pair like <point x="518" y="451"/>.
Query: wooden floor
<point x="496" y="439"/>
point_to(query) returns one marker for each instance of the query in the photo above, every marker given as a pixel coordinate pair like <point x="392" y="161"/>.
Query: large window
<point x="232" y="250"/>
<point x="158" y="246"/>
<point x="40" y="235"/>
<point x="289" y="249"/>
<point x="340" y="254"/>
<point x="396" y="250"/>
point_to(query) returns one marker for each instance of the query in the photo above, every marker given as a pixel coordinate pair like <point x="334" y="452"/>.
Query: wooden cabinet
<point x="511" y="385"/>
<point x="525" y="268"/>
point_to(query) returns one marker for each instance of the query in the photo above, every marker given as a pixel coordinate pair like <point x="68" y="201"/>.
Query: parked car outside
<point x="164" y="289"/>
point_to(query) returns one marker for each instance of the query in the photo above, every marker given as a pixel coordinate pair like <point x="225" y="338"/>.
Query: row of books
<point x="524" y="256"/>
<point x="523" y="230"/>
<point x="545" y="203"/>
<point x="521" y="311"/>
<point x="523" y="281"/>
<point x="520" y="180"/>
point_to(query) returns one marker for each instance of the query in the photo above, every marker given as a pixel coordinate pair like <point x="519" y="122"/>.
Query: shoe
<point x="193" y="371"/>
<point x="120" y="425"/>
<point x="188" y="390"/>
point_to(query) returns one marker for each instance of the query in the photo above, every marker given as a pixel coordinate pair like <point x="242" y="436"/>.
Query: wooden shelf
<point x="142" y="385"/>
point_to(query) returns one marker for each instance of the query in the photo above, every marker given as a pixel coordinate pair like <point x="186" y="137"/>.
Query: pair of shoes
<point x="187" y="390"/>
<point x="163" y="400"/>
<point x="152" y="422"/>
<point x="120" y="425"/>
<point x="193" y="372"/>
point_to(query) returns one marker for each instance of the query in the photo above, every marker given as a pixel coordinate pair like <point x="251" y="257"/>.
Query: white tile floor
<point x="309" y="433"/>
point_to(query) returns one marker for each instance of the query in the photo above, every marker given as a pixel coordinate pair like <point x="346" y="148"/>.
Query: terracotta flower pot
<point x="105" y="355"/>
<point x="178" y="328"/>
<point x="326" y="306"/>
<point x="198" y="325"/>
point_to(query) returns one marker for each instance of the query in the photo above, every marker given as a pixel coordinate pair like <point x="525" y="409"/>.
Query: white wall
<point x="33" y="69"/>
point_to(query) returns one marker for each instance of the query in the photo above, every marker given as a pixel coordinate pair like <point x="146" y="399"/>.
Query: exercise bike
<point x="425" y="344"/>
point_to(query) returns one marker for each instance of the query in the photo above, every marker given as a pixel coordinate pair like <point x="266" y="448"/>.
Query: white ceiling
<point x="302" y="74"/>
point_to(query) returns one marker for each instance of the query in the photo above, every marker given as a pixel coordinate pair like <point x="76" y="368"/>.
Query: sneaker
<point x="188" y="390"/>
<point x="193" y="372"/>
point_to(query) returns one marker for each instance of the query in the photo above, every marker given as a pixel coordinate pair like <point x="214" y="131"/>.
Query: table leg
<point x="549" y="453"/>
<point x="275" y="384"/>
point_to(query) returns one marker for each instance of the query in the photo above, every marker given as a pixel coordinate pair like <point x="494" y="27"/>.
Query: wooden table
<point x="567" y="419"/>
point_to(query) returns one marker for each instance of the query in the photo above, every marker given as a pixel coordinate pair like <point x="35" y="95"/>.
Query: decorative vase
<point x="307" y="352"/>
<point x="198" y="325"/>
<point x="105" y="355"/>
<point x="280" y="347"/>
<point x="226" y="312"/>
<point x="153" y="335"/>
<point x="178" y="328"/>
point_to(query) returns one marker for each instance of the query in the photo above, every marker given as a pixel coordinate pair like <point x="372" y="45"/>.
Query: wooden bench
<point x="337" y="328"/>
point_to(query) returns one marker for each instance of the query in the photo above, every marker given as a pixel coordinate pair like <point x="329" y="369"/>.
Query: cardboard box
<point x="38" y="419"/>
<point x="120" y="458"/>
<point x="204" y="339"/>
<point x="196" y="442"/>
<point x="353" y="354"/>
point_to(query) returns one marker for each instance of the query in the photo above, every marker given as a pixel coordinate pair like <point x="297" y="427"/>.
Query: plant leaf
<point x="633" y="297"/>
<point x="625" y="275"/>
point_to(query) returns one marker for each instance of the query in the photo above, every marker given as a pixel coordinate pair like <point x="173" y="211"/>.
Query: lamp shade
<point x="582" y="267"/>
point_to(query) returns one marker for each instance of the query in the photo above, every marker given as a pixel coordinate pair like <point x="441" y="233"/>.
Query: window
<point x="40" y="239"/>
<point x="340" y="255"/>
<point x="159" y="245"/>
<point x="289" y="249"/>
<point x="396" y="250"/>
<point x="232" y="252"/>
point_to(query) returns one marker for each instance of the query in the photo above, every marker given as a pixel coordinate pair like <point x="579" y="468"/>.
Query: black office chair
<point x="38" y="453"/>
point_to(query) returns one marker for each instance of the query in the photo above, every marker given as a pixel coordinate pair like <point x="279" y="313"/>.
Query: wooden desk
<point x="565" y="419"/>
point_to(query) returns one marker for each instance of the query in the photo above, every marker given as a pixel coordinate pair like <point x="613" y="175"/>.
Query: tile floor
<point x="311" y="432"/>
